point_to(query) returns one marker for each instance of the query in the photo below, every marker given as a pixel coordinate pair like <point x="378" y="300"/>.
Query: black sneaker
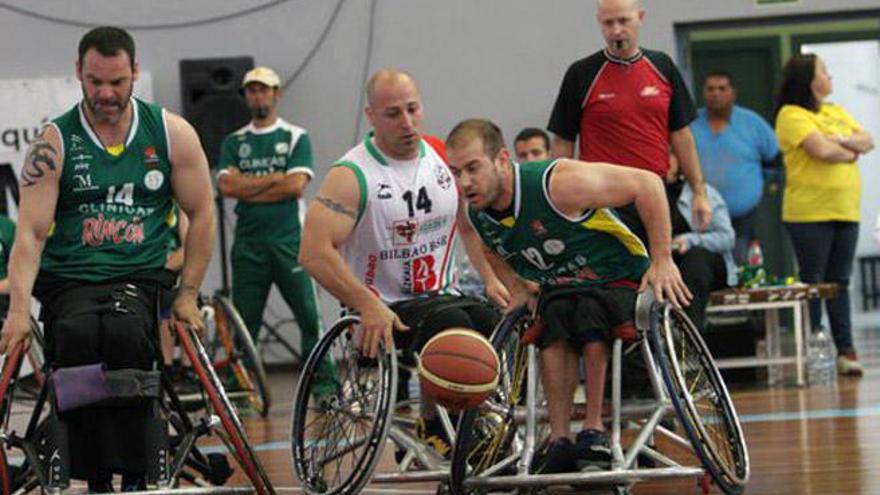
<point x="432" y="433"/>
<point x="592" y="449"/>
<point x="559" y="457"/>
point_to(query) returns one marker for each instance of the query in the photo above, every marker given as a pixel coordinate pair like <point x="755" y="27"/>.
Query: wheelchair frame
<point x="181" y="460"/>
<point x="418" y="463"/>
<point x="624" y="471"/>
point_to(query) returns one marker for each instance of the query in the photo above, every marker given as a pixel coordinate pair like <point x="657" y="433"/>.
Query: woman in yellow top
<point x="821" y="143"/>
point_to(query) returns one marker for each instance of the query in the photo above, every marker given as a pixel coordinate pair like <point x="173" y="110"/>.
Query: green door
<point x="755" y="65"/>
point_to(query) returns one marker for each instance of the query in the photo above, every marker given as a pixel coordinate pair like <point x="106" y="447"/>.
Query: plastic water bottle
<point x="754" y="274"/>
<point x="821" y="366"/>
<point x="755" y="255"/>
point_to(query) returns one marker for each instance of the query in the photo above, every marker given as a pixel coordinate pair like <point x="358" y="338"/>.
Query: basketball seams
<point x="446" y="354"/>
<point x="456" y="350"/>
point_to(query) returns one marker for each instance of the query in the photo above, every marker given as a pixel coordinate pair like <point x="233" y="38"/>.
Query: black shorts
<point x="428" y="316"/>
<point x="584" y="315"/>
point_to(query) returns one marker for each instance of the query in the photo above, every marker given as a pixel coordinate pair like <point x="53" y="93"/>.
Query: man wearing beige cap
<point x="266" y="166"/>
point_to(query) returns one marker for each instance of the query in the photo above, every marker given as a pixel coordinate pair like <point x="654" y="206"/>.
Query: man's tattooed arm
<point x="40" y="159"/>
<point x="336" y="206"/>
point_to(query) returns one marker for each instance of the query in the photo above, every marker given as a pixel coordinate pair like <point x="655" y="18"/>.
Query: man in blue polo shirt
<point x="733" y="143"/>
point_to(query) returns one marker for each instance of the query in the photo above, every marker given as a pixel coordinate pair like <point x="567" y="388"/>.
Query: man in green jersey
<point x="267" y="166"/>
<point x="7" y="235"/>
<point x="550" y="224"/>
<point x="97" y="188"/>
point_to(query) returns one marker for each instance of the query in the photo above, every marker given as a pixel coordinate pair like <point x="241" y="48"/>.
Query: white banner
<point x="27" y="104"/>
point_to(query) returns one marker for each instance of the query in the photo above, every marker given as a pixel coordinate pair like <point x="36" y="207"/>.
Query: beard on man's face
<point x="104" y="107"/>
<point x="260" y="112"/>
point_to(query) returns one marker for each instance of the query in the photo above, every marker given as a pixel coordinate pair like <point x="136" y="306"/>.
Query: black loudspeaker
<point x="212" y="99"/>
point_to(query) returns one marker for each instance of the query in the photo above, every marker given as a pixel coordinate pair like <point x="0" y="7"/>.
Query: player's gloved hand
<point x="16" y="329"/>
<point x="377" y="324"/>
<point x="664" y="278"/>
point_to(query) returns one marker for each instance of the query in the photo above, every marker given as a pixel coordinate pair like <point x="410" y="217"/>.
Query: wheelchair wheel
<point x="700" y="398"/>
<point x="337" y="437"/>
<point x="9" y="475"/>
<point x="233" y="432"/>
<point x="241" y="355"/>
<point x="488" y="434"/>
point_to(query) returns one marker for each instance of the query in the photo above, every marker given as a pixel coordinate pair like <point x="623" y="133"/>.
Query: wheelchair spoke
<point x="337" y="441"/>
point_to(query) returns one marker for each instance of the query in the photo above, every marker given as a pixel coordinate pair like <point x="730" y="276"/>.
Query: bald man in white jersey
<point x="380" y="235"/>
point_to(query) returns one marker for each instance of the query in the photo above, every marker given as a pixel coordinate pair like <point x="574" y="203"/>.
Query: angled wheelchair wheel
<point x="700" y="398"/>
<point x="11" y="367"/>
<point x="20" y="478"/>
<point x="338" y="435"/>
<point x="218" y="403"/>
<point x="487" y="438"/>
<point x="241" y="355"/>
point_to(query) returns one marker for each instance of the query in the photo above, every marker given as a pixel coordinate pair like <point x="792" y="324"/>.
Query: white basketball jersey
<point x="404" y="242"/>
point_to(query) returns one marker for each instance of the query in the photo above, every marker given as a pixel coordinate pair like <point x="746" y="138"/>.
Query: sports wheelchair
<point x="338" y="440"/>
<point x="39" y="459"/>
<point x="498" y="441"/>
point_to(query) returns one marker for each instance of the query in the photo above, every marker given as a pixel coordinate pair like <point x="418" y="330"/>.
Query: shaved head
<point x="387" y="77"/>
<point x="394" y="109"/>
<point x="620" y="22"/>
<point x="607" y="4"/>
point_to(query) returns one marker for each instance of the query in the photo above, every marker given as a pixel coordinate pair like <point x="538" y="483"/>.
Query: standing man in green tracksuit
<point x="7" y="235"/>
<point x="267" y="166"/>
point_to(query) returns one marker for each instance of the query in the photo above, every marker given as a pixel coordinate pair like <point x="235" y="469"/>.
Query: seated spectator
<point x="532" y="145"/>
<point x="734" y="143"/>
<point x="705" y="259"/>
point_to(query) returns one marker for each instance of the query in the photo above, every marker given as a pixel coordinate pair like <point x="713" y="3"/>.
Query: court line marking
<point x="860" y="412"/>
<point x="744" y="418"/>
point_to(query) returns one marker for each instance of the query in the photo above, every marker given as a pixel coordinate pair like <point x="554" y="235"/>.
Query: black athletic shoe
<point x="558" y="458"/>
<point x="592" y="449"/>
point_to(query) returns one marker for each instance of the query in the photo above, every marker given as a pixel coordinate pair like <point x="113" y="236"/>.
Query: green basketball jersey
<point x="112" y="211"/>
<point x="7" y="235"/>
<point x="543" y="245"/>
<point x="281" y="147"/>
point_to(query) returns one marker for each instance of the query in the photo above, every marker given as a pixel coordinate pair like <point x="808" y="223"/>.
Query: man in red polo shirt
<point x="628" y="105"/>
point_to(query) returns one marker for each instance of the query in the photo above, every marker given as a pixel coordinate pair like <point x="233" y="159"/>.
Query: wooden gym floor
<point x="801" y="440"/>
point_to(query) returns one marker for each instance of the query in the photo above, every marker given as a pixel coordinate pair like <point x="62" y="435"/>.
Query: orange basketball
<point x="459" y="368"/>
